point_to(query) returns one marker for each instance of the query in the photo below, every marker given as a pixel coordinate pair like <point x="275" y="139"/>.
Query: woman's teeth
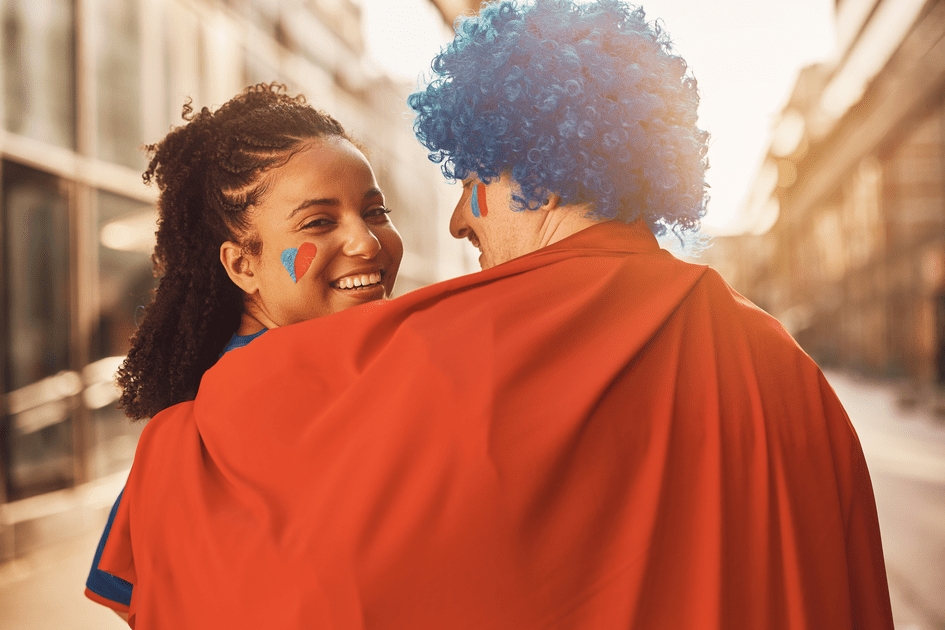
<point x="353" y="282"/>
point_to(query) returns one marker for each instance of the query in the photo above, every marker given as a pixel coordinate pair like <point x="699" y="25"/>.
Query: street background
<point x="828" y="211"/>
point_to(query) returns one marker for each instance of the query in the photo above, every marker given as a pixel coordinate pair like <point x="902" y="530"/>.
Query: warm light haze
<point x="744" y="53"/>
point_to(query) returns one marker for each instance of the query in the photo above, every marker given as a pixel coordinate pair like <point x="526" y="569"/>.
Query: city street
<point x="45" y="590"/>
<point x="905" y="450"/>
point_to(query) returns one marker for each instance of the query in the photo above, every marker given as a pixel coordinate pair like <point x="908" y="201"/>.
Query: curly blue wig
<point x="586" y="101"/>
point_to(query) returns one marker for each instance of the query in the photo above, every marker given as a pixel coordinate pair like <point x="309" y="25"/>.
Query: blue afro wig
<point x="586" y="101"/>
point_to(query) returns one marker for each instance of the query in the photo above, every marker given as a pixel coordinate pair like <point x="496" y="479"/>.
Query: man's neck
<point x="565" y="221"/>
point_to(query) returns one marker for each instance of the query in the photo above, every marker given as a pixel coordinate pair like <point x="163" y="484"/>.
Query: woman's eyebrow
<point x="308" y="203"/>
<point x="330" y="201"/>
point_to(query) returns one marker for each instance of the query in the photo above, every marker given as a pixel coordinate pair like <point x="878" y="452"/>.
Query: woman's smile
<point x="327" y="240"/>
<point x="360" y="281"/>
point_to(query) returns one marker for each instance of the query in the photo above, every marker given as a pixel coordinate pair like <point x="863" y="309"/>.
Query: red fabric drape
<point x="595" y="435"/>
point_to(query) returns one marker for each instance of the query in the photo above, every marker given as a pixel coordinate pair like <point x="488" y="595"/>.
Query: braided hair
<point x="209" y="172"/>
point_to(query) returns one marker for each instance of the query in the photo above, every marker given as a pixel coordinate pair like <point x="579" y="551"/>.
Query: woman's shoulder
<point x="166" y="429"/>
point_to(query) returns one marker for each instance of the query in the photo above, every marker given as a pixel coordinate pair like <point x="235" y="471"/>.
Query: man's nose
<point x="458" y="226"/>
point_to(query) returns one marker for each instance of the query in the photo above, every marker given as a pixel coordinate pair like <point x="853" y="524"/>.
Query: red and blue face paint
<point x="479" y="208"/>
<point x="297" y="260"/>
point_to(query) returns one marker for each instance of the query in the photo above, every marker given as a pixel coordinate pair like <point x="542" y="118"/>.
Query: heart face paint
<point x="479" y="208"/>
<point x="297" y="261"/>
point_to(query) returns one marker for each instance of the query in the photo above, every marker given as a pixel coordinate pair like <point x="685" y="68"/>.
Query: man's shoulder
<point x="747" y="330"/>
<point x="733" y="304"/>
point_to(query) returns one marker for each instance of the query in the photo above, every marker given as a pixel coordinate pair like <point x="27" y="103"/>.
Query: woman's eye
<point x="380" y="211"/>
<point x="316" y="223"/>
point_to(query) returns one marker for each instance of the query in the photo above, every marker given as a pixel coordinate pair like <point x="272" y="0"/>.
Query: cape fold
<point x="595" y="435"/>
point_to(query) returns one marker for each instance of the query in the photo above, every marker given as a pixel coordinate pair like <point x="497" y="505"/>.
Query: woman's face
<point x="327" y="241"/>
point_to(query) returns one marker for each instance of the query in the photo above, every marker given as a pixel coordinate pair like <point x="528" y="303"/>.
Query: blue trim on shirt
<point x="105" y="584"/>
<point x="238" y="341"/>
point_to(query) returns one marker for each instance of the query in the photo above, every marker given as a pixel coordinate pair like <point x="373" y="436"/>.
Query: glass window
<point x="182" y="61"/>
<point x="258" y="71"/>
<point x="125" y="240"/>
<point x="38" y="39"/>
<point x="221" y="60"/>
<point x="42" y="390"/>
<point x="115" y="38"/>
<point x="265" y="15"/>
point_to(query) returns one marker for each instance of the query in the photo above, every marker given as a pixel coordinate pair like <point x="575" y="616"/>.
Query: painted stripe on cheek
<point x="297" y="261"/>
<point x="303" y="260"/>
<point x="288" y="261"/>
<point x="479" y="208"/>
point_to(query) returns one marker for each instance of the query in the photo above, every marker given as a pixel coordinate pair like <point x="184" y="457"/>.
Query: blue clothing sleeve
<point x="103" y="587"/>
<point x="103" y="584"/>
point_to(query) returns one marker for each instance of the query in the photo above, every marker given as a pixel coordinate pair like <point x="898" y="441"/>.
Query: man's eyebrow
<point x="330" y="201"/>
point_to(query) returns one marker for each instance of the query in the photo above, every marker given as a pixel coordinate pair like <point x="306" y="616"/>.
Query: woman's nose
<point x="361" y="241"/>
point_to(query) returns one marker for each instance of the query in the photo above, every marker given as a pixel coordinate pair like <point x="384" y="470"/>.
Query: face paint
<point x="297" y="261"/>
<point x="479" y="207"/>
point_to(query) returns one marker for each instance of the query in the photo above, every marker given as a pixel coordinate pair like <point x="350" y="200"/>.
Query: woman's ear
<point x="239" y="266"/>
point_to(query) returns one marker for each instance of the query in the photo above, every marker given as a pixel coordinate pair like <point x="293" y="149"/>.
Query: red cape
<point x="595" y="435"/>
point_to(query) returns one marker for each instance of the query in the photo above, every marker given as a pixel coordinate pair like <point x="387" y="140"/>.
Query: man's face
<point x="484" y="215"/>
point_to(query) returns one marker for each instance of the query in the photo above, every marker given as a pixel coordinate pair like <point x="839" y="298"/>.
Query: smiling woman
<point x="244" y="186"/>
<point x="269" y="215"/>
<point x="327" y="243"/>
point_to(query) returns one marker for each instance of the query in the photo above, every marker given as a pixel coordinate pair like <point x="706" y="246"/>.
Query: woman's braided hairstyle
<point x="209" y="172"/>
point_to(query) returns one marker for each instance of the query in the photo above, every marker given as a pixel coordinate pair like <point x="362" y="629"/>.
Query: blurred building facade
<point x="848" y="210"/>
<point x="83" y="84"/>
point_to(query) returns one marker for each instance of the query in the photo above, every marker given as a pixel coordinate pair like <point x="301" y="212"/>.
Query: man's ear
<point x="239" y="266"/>
<point x="551" y="202"/>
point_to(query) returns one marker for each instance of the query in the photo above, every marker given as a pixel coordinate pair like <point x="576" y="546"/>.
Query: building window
<point x="125" y="240"/>
<point x="39" y="70"/>
<point x="183" y="60"/>
<point x="42" y="390"/>
<point x="115" y="36"/>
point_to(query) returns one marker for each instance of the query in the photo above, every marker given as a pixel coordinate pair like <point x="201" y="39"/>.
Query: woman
<point x="269" y="215"/>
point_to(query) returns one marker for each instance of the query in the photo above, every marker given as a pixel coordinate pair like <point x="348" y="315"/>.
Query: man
<point x="587" y="434"/>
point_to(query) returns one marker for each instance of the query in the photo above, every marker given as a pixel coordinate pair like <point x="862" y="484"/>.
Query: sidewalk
<point x="45" y="589"/>
<point x="905" y="452"/>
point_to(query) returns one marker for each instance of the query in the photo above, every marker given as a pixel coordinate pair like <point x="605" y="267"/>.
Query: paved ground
<point x="45" y="590"/>
<point x="905" y="450"/>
